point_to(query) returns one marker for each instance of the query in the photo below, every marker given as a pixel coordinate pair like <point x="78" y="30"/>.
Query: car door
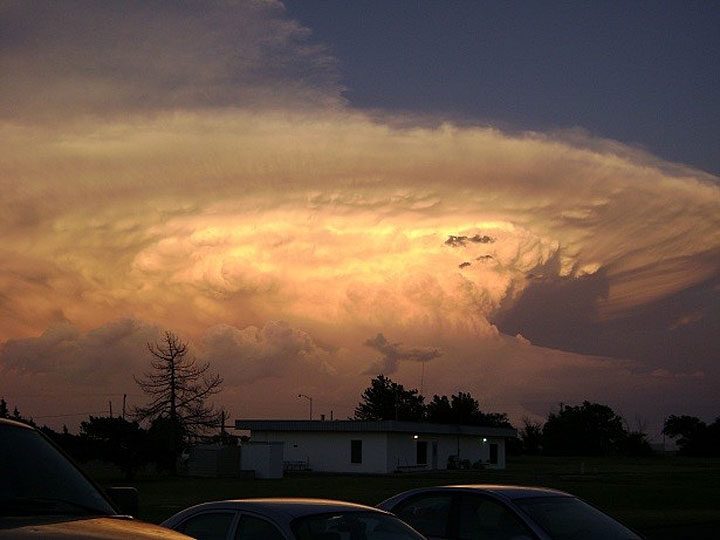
<point x="428" y="513"/>
<point x="480" y="517"/>
<point x="445" y="515"/>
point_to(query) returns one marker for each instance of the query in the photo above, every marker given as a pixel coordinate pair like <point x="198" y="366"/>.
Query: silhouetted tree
<point x="387" y="400"/>
<point x="462" y="408"/>
<point x="693" y="436"/>
<point x="531" y="436"/>
<point x="589" y="429"/>
<point x="15" y="414"/>
<point x="634" y="444"/>
<point x="165" y="443"/>
<point x="179" y="389"/>
<point x="439" y="410"/>
<point x="117" y="441"/>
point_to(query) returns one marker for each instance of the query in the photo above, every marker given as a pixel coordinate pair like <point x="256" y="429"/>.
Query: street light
<point x="310" y="400"/>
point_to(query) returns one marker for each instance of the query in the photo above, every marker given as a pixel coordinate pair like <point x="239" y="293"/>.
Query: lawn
<point x="653" y="495"/>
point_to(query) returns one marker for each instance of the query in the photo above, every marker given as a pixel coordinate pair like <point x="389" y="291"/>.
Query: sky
<point x="511" y="199"/>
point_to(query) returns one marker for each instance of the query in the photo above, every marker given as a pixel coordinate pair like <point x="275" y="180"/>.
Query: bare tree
<point x="179" y="389"/>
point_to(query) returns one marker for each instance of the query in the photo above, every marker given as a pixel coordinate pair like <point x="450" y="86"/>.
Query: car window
<point x="254" y="528"/>
<point x="37" y="479"/>
<point x="427" y="513"/>
<point x="353" y="525"/>
<point x="208" y="525"/>
<point x="483" y="518"/>
<point x="572" y="519"/>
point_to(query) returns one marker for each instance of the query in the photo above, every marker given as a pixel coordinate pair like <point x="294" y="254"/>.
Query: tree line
<point x="179" y="415"/>
<point x="592" y="429"/>
<point x="588" y="429"/>
<point x="385" y="399"/>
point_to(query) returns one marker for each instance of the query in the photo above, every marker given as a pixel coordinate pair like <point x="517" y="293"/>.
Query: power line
<point x="68" y="414"/>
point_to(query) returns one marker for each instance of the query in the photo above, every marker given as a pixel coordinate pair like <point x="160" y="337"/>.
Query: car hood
<point x="106" y="528"/>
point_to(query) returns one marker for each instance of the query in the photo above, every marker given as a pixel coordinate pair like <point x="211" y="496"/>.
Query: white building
<point x="354" y="446"/>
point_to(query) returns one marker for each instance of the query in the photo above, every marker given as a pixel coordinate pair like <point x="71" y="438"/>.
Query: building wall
<point x="479" y="449"/>
<point x="403" y="451"/>
<point x="382" y="452"/>
<point x="331" y="451"/>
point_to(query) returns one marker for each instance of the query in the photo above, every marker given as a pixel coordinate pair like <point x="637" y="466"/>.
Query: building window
<point x="422" y="452"/>
<point x="356" y="451"/>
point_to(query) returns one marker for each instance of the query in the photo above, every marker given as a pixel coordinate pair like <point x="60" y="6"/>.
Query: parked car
<point x="479" y="512"/>
<point x="289" y="519"/>
<point x="44" y="495"/>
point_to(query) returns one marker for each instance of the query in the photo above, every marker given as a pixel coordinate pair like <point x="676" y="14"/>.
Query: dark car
<point x="289" y="519"/>
<point x="480" y="512"/>
<point x="44" y="495"/>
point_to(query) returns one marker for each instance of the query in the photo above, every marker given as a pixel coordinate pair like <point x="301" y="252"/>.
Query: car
<point x="289" y="519"/>
<point x="43" y="494"/>
<point x="503" y="512"/>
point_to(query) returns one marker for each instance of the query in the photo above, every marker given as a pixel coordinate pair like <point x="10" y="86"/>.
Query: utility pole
<point x="310" y="400"/>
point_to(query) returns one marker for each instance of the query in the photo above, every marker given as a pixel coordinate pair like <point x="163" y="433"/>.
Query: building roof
<point x="377" y="426"/>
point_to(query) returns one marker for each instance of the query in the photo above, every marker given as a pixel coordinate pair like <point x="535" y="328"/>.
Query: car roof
<point x="507" y="491"/>
<point x="281" y="509"/>
<point x="15" y="423"/>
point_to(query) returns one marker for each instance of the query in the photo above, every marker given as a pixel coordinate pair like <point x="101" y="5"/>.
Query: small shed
<point x="264" y="458"/>
<point x="261" y="460"/>
<point x="353" y="446"/>
<point x="214" y="460"/>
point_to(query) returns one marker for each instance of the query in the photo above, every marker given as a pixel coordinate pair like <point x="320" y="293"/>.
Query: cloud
<point x="461" y="241"/>
<point x="235" y="216"/>
<point x="111" y="59"/>
<point x="94" y="358"/>
<point x="392" y="353"/>
<point x="194" y="165"/>
<point x="252" y="354"/>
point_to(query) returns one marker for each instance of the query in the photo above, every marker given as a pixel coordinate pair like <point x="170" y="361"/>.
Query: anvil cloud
<point x="197" y="169"/>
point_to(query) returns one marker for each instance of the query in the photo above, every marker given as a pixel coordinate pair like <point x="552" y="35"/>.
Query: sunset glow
<point x="280" y="233"/>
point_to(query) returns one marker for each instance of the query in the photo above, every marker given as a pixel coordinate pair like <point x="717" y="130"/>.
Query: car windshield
<point x="568" y="518"/>
<point x="37" y="479"/>
<point x="353" y="526"/>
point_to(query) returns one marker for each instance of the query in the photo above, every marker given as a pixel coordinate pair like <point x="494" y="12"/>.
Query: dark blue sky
<point x="644" y="73"/>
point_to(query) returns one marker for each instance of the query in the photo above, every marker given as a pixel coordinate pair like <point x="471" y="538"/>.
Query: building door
<point x="494" y="453"/>
<point x="434" y="455"/>
<point x="421" y="458"/>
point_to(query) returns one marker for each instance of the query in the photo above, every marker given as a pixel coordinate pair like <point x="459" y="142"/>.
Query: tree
<point x="693" y="436"/>
<point x="531" y="436"/>
<point x="179" y="389"/>
<point x="387" y="400"/>
<point x="15" y="414"/>
<point x="462" y="408"/>
<point x="116" y="440"/>
<point x="589" y="429"/>
<point x="439" y="410"/>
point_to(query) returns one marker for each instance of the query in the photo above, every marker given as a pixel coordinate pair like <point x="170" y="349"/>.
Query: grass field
<point x="664" y="497"/>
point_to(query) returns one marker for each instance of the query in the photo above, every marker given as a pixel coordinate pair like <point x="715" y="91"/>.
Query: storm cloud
<point x="198" y="169"/>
